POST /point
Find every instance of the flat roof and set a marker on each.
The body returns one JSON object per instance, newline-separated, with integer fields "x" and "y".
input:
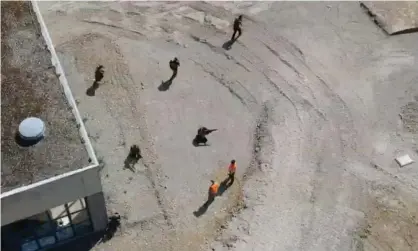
{"x": 29, "y": 88}
{"x": 395, "y": 17}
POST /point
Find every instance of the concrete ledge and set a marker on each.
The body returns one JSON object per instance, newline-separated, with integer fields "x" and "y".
{"x": 395, "y": 17}
{"x": 63, "y": 80}
{"x": 30, "y": 201}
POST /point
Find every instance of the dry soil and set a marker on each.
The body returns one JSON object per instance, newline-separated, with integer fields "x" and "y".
{"x": 309, "y": 101}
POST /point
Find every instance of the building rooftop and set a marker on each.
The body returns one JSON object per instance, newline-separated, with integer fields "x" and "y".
{"x": 30, "y": 88}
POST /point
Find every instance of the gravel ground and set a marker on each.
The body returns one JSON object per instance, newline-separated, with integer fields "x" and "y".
{"x": 31, "y": 88}
{"x": 309, "y": 109}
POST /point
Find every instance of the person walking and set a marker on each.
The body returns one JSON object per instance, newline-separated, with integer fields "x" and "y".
{"x": 213, "y": 191}
{"x": 174, "y": 65}
{"x": 237, "y": 27}
{"x": 231, "y": 171}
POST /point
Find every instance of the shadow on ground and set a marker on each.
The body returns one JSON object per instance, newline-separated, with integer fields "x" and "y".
{"x": 129, "y": 163}
{"x": 26, "y": 143}
{"x": 225, "y": 184}
{"x": 228, "y": 44}
{"x": 165, "y": 85}
{"x": 91, "y": 91}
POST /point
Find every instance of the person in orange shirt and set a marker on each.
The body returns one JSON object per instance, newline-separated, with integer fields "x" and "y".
{"x": 213, "y": 191}
{"x": 231, "y": 171}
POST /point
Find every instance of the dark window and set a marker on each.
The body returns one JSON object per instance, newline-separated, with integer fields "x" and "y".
{"x": 48, "y": 228}
{"x": 64, "y": 233}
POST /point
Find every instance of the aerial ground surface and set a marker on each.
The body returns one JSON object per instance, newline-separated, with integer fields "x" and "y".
{"x": 314, "y": 102}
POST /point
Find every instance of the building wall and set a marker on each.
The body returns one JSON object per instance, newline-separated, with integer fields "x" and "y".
{"x": 97, "y": 207}
{"x": 55, "y": 192}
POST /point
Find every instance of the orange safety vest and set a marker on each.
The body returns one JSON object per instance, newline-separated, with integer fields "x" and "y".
{"x": 214, "y": 188}
{"x": 232, "y": 168}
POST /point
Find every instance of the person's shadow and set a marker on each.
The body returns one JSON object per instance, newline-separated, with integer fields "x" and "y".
{"x": 203, "y": 208}
{"x": 225, "y": 184}
{"x": 165, "y": 85}
{"x": 91, "y": 91}
{"x": 228, "y": 44}
{"x": 112, "y": 227}
{"x": 130, "y": 162}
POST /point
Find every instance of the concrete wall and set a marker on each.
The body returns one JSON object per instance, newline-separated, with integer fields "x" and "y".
{"x": 43, "y": 196}
{"x": 97, "y": 208}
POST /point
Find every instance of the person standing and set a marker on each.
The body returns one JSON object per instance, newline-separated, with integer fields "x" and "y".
{"x": 237, "y": 27}
{"x": 231, "y": 171}
{"x": 135, "y": 153}
{"x": 174, "y": 65}
{"x": 99, "y": 74}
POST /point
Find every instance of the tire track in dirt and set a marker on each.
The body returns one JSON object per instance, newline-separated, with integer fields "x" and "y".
{"x": 327, "y": 176}
{"x": 113, "y": 26}
{"x": 304, "y": 70}
{"x": 219, "y": 50}
{"x": 262, "y": 139}
{"x": 262, "y": 153}
{"x": 297, "y": 54}
{"x": 339, "y": 119}
{"x": 249, "y": 101}
{"x": 321, "y": 172}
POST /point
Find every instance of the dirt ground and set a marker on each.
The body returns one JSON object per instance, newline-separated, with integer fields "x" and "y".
{"x": 314, "y": 101}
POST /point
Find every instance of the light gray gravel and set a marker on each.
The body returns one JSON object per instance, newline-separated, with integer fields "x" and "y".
{"x": 307, "y": 101}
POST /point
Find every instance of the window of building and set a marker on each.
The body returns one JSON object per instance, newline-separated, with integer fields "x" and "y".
{"x": 48, "y": 228}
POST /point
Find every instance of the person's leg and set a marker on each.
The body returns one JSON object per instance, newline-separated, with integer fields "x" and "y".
{"x": 231, "y": 178}
{"x": 204, "y": 140}
{"x": 233, "y": 35}
{"x": 239, "y": 33}
{"x": 211, "y": 198}
{"x": 198, "y": 139}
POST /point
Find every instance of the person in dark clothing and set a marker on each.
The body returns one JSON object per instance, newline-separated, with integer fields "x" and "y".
{"x": 135, "y": 153}
{"x": 202, "y": 132}
{"x": 205, "y": 131}
{"x": 98, "y": 76}
{"x": 133, "y": 158}
{"x": 237, "y": 27}
{"x": 174, "y": 65}
{"x": 99, "y": 73}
